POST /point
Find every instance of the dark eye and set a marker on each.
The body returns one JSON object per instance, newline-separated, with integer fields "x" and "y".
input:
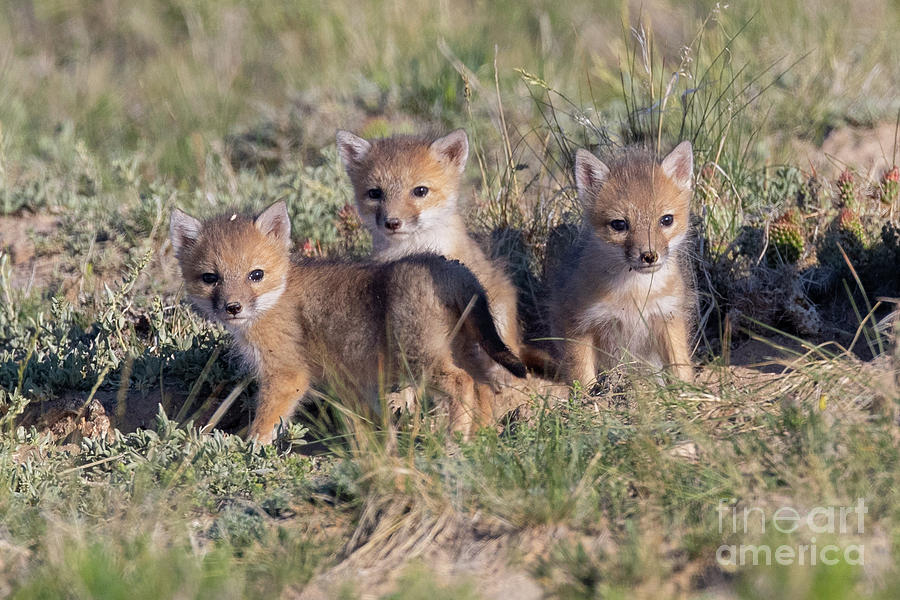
{"x": 256, "y": 275}
{"x": 209, "y": 278}
{"x": 420, "y": 191}
{"x": 667, "y": 220}
{"x": 375, "y": 194}
{"x": 619, "y": 225}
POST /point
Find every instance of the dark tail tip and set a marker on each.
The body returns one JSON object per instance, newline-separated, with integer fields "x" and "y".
{"x": 539, "y": 361}
{"x": 510, "y": 362}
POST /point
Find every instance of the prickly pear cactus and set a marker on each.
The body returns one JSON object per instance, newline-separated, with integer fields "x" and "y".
{"x": 846, "y": 189}
{"x": 786, "y": 238}
{"x": 850, "y": 226}
{"x": 846, "y": 231}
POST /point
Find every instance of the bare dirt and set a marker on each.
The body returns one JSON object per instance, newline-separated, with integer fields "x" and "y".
{"x": 867, "y": 150}
{"x": 18, "y": 234}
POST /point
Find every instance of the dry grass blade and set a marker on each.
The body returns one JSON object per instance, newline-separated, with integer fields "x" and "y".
{"x": 225, "y": 405}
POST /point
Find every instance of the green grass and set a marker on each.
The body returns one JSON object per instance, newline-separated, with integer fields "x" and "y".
{"x": 113, "y": 113}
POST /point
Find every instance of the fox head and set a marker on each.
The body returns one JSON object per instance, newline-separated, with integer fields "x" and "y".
{"x": 234, "y": 267}
{"x": 637, "y": 209}
{"x": 404, "y": 185}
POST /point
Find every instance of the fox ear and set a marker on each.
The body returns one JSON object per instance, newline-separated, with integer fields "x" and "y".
{"x": 352, "y": 148}
{"x": 453, "y": 148}
{"x": 183, "y": 231}
{"x": 590, "y": 173}
{"x": 679, "y": 165}
{"x": 274, "y": 222}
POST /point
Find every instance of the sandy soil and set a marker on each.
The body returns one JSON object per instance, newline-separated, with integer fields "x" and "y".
{"x": 868, "y": 151}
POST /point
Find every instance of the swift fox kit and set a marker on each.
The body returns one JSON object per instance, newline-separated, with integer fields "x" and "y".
{"x": 622, "y": 289}
{"x": 406, "y": 190}
{"x": 298, "y": 322}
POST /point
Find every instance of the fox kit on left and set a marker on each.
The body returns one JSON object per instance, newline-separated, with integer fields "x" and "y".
{"x": 622, "y": 293}
{"x": 406, "y": 190}
{"x": 357, "y": 326}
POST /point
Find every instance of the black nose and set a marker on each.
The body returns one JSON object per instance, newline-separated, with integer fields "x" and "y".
{"x": 393, "y": 224}
{"x": 649, "y": 257}
{"x": 233, "y": 307}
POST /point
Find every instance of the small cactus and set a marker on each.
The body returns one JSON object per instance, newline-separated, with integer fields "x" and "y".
{"x": 351, "y": 231}
{"x": 348, "y": 223}
{"x": 845, "y": 186}
{"x": 309, "y": 248}
{"x": 890, "y": 185}
{"x": 786, "y": 238}
{"x": 846, "y": 231}
{"x": 848, "y": 224}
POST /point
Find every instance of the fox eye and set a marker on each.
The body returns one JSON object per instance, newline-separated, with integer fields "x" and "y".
{"x": 667, "y": 220}
{"x": 256, "y": 275}
{"x": 209, "y": 278}
{"x": 375, "y": 194}
{"x": 619, "y": 224}
{"x": 420, "y": 191}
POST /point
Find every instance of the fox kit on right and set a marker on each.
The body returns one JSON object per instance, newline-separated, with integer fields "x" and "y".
{"x": 622, "y": 292}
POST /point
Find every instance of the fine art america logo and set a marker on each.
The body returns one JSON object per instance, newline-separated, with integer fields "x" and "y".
{"x": 827, "y": 521}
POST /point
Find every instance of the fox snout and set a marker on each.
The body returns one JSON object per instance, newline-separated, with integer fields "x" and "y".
{"x": 231, "y": 306}
{"x": 391, "y": 223}
{"x": 646, "y": 258}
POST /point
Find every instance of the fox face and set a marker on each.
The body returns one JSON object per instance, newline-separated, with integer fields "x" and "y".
{"x": 638, "y": 210}
{"x": 234, "y": 268}
{"x": 404, "y": 185}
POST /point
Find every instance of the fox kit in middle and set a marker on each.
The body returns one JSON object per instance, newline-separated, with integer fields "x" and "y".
{"x": 622, "y": 289}
{"x": 406, "y": 190}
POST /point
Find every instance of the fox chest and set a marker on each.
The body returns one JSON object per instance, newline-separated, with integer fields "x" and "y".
{"x": 629, "y": 308}
{"x": 396, "y": 247}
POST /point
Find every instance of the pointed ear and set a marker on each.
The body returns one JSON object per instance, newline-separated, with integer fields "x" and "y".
{"x": 352, "y": 148}
{"x": 183, "y": 231}
{"x": 590, "y": 172}
{"x": 453, "y": 148}
{"x": 274, "y": 222}
{"x": 679, "y": 165}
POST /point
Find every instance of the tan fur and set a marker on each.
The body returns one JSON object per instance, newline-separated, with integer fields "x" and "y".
{"x": 353, "y": 326}
{"x": 397, "y": 166}
{"x": 607, "y": 303}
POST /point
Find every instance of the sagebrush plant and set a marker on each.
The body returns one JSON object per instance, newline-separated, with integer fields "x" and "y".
{"x": 111, "y": 115}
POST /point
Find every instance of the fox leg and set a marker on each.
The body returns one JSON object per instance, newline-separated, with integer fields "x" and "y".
{"x": 580, "y": 360}
{"x": 278, "y": 396}
{"x": 459, "y": 389}
{"x": 671, "y": 337}
{"x": 486, "y": 409}
{"x": 404, "y": 400}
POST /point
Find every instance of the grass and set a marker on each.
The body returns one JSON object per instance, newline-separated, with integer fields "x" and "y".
{"x": 113, "y": 113}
